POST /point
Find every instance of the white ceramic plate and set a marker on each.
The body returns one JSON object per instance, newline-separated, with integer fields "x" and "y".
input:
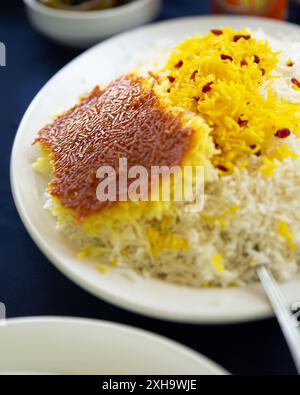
{"x": 78, "y": 346}
{"x": 151, "y": 297}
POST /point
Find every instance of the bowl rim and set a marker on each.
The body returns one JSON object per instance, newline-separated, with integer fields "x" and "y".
{"x": 133, "y": 6}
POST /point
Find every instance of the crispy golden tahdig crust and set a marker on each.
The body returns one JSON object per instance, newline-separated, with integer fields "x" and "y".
{"x": 123, "y": 121}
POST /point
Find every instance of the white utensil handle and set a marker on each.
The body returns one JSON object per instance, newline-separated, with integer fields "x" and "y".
{"x": 285, "y": 318}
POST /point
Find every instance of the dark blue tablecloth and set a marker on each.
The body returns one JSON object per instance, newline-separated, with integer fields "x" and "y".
{"x": 30, "y": 285}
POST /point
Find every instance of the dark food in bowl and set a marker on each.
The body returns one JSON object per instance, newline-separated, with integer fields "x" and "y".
{"x": 83, "y": 5}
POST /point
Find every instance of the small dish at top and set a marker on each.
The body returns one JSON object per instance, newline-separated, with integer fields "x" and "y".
{"x": 82, "y": 29}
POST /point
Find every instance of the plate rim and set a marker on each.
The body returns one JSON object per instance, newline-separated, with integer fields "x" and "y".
{"x": 149, "y": 336}
{"x": 110, "y": 297}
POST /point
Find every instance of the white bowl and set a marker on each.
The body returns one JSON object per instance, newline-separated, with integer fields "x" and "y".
{"x": 82, "y": 29}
